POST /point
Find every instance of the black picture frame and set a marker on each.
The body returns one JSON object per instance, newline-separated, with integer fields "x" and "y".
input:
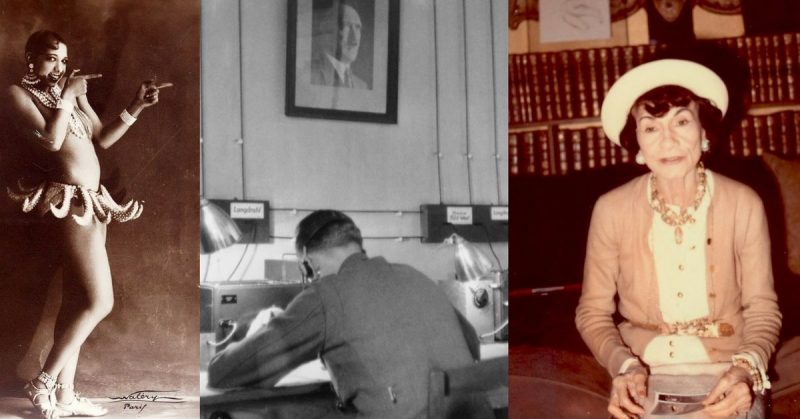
{"x": 314, "y": 89}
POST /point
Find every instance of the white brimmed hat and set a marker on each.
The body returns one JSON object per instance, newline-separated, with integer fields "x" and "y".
{"x": 627, "y": 89}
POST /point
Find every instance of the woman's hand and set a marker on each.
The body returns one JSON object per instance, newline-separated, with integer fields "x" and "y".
{"x": 77, "y": 85}
{"x": 628, "y": 391}
{"x": 147, "y": 95}
{"x": 732, "y": 395}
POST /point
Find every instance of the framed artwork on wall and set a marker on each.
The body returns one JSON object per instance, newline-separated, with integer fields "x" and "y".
{"x": 342, "y": 59}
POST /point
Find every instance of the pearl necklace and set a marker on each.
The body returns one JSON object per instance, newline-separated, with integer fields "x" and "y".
{"x": 52, "y": 99}
{"x": 669, "y": 216}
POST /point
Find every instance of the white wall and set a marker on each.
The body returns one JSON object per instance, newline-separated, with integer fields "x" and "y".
{"x": 371, "y": 170}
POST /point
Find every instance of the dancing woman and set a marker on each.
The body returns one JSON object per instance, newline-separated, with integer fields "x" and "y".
{"x": 60, "y": 180}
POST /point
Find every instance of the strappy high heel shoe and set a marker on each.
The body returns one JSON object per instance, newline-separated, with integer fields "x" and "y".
{"x": 79, "y": 406}
{"x": 41, "y": 392}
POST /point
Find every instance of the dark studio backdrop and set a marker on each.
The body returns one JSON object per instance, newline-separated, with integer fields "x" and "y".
{"x": 150, "y": 340}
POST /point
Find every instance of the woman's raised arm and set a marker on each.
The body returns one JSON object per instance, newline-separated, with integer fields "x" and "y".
{"x": 146, "y": 96}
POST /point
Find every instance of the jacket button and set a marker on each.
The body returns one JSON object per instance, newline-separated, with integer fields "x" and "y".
{"x": 680, "y": 295}
{"x": 672, "y": 354}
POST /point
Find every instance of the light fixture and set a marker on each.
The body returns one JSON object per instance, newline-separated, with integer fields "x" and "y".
{"x": 217, "y": 229}
{"x": 471, "y": 263}
{"x": 488, "y": 286}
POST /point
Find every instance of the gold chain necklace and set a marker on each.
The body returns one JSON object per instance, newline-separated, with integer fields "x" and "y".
{"x": 669, "y": 216}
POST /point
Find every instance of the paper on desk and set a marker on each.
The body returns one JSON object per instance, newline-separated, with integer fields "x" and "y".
{"x": 308, "y": 373}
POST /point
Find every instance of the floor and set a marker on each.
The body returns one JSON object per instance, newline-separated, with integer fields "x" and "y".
{"x": 20, "y": 408}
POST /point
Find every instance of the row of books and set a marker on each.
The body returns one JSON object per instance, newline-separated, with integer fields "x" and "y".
{"x": 558, "y": 151}
{"x": 555, "y": 151}
{"x": 572, "y": 84}
{"x": 773, "y": 64}
{"x": 775, "y": 133}
{"x": 567, "y": 84}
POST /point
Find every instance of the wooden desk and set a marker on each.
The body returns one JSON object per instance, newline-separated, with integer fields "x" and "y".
{"x": 304, "y": 392}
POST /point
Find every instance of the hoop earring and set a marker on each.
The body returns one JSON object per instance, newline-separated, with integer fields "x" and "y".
{"x": 705, "y": 145}
{"x": 30, "y": 79}
{"x": 639, "y": 158}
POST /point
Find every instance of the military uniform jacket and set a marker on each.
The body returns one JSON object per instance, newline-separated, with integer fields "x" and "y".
{"x": 379, "y": 328}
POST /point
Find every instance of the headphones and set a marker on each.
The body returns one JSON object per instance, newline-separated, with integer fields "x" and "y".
{"x": 307, "y": 271}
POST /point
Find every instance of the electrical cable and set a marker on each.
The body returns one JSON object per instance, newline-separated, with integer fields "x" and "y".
{"x": 466, "y": 101}
{"x": 489, "y": 241}
{"x": 241, "y": 100}
{"x": 494, "y": 105}
{"x": 403, "y": 237}
{"x": 246, "y": 246}
{"x": 249, "y": 262}
{"x": 499, "y": 328}
{"x": 208, "y": 265}
{"x": 354, "y": 211}
{"x": 436, "y": 100}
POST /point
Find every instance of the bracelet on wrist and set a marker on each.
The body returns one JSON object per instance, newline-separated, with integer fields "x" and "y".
{"x": 759, "y": 383}
{"x": 127, "y": 118}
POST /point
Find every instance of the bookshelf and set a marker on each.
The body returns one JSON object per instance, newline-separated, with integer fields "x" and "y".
{"x": 555, "y": 97}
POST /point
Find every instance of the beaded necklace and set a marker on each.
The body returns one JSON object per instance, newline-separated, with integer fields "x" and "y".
{"x": 52, "y": 99}
{"x": 669, "y": 216}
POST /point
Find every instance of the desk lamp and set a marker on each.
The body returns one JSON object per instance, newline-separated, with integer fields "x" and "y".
{"x": 488, "y": 286}
{"x": 217, "y": 229}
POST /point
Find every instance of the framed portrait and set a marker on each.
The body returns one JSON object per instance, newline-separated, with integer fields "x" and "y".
{"x": 341, "y": 59}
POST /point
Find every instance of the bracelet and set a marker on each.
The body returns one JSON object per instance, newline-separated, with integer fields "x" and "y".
{"x": 127, "y": 118}
{"x": 760, "y": 381}
{"x": 65, "y": 104}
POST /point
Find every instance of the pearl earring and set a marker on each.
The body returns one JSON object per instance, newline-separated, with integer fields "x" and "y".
{"x": 639, "y": 158}
{"x": 705, "y": 145}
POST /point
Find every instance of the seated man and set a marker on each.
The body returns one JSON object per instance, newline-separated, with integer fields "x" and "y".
{"x": 378, "y": 327}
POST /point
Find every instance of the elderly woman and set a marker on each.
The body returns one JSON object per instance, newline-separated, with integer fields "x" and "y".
{"x": 58, "y": 181}
{"x": 687, "y": 252}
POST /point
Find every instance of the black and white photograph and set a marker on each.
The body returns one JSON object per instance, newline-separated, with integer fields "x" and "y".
{"x": 99, "y": 209}
{"x": 352, "y": 268}
{"x": 342, "y": 59}
{"x": 342, "y": 44}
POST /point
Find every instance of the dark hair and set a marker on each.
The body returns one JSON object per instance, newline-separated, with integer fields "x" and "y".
{"x": 658, "y": 101}
{"x": 325, "y": 229}
{"x": 43, "y": 41}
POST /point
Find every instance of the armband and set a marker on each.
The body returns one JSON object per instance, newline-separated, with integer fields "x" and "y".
{"x": 127, "y": 118}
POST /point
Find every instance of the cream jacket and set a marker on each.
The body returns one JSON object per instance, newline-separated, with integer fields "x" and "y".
{"x": 619, "y": 261}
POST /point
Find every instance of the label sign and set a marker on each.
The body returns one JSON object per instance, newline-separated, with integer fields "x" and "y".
{"x": 247, "y": 210}
{"x": 499, "y": 213}
{"x": 459, "y": 215}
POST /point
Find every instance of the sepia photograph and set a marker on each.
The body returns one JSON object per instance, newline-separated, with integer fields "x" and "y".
{"x": 99, "y": 208}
